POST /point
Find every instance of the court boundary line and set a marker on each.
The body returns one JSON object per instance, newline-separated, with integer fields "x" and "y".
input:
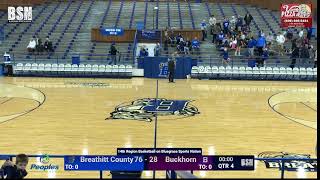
{"x": 309, "y": 106}
{"x": 22, "y": 111}
{"x": 6, "y": 100}
{"x": 29, "y": 111}
{"x": 291, "y": 116}
{"x": 272, "y": 107}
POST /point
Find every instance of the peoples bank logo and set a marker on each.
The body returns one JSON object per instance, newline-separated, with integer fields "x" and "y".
{"x": 19, "y": 14}
{"x": 44, "y": 164}
{"x": 45, "y": 159}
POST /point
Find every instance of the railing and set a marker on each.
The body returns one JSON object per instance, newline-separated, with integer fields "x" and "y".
{"x": 86, "y": 58}
{"x": 134, "y": 48}
{"x": 125, "y": 58}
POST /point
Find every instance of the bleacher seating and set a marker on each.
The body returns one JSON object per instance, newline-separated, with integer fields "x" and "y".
{"x": 72, "y": 70}
{"x": 69, "y": 23}
{"x": 255, "y": 73}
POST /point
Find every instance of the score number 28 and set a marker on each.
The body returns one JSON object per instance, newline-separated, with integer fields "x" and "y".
{"x": 153, "y": 159}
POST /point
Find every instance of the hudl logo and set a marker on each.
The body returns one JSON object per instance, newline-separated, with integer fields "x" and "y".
{"x": 19, "y": 14}
{"x": 146, "y": 109}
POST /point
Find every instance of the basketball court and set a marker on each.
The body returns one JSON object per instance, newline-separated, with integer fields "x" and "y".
{"x": 72, "y": 116}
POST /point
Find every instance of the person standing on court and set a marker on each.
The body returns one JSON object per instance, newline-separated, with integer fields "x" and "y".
{"x": 113, "y": 52}
{"x": 172, "y": 67}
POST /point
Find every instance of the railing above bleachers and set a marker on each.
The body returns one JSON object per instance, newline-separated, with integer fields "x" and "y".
{"x": 129, "y": 58}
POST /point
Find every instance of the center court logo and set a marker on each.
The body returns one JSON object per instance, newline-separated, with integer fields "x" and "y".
{"x": 146, "y": 109}
{"x": 45, "y": 164}
{"x": 19, "y": 14}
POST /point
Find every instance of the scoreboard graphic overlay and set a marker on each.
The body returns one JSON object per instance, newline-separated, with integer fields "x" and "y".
{"x": 159, "y": 159}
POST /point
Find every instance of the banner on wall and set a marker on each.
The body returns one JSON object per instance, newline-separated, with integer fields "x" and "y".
{"x": 112, "y": 31}
{"x": 296, "y": 15}
{"x": 149, "y": 35}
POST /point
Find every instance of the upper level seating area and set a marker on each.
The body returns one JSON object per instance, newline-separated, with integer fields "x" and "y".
{"x": 69, "y": 23}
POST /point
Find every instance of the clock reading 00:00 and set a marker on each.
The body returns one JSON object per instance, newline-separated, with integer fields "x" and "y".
{"x": 225, "y": 159}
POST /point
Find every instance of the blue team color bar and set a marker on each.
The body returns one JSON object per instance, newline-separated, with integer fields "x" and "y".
{"x": 102, "y": 163}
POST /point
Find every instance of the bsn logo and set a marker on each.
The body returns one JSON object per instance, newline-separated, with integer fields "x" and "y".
{"x": 19, "y": 14}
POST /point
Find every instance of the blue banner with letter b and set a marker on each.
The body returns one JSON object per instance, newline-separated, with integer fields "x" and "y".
{"x": 157, "y": 67}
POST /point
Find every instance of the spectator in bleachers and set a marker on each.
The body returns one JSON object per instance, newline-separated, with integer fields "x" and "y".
{"x": 142, "y": 52}
{"x": 260, "y": 33}
{"x": 251, "y": 45}
{"x": 39, "y": 46}
{"x": 178, "y": 38}
{"x": 280, "y": 43}
{"x": 166, "y": 43}
{"x": 248, "y": 18}
{"x": 265, "y": 56}
{"x": 203, "y": 27}
{"x": 301, "y": 33}
{"x": 240, "y": 43}
{"x": 225, "y": 56}
{"x": 304, "y": 55}
{"x": 48, "y": 45}
{"x": 309, "y": 33}
{"x": 270, "y": 39}
{"x": 113, "y": 53}
{"x": 212, "y": 21}
{"x": 187, "y": 46}
{"x": 17, "y": 170}
{"x": 181, "y": 45}
{"x": 243, "y": 38}
{"x": 261, "y": 43}
{"x": 233, "y": 43}
{"x": 157, "y": 49}
{"x": 239, "y": 23}
{"x": 245, "y": 29}
{"x": 196, "y": 45}
{"x": 215, "y": 29}
{"x": 305, "y": 41}
{"x": 226, "y": 24}
{"x": 166, "y": 33}
{"x": 294, "y": 53}
{"x": 289, "y": 33}
{"x": 233, "y": 22}
{"x": 32, "y": 45}
{"x": 220, "y": 39}
{"x": 172, "y": 39}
